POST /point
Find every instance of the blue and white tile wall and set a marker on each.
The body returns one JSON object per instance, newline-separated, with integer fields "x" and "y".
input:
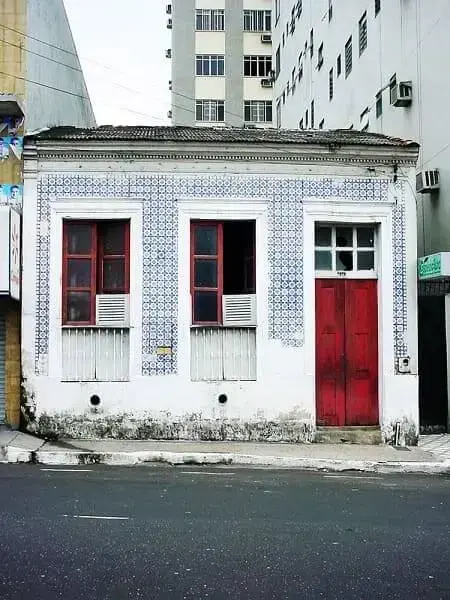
{"x": 160, "y": 228}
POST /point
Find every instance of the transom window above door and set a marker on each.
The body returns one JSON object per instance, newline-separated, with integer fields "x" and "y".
{"x": 344, "y": 248}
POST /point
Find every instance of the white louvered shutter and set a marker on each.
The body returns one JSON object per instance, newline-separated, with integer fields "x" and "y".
{"x": 239, "y": 310}
{"x": 113, "y": 310}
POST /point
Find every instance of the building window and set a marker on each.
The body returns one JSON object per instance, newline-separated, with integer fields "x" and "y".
{"x": 210, "y": 110}
{"x": 330, "y": 10}
{"x": 322, "y": 124}
{"x": 379, "y": 104}
{"x": 312, "y": 114}
{"x": 306, "y": 119}
{"x": 277, "y": 62}
{"x": 320, "y": 57}
{"x": 311, "y": 43}
{"x": 299, "y": 8}
{"x": 392, "y": 88}
{"x": 258, "y": 111}
{"x": 377, "y": 6}
{"x": 362, "y": 33}
{"x": 96, "y": 261}
{"x": 257, "y": 66}
{"x": 210, "y": 65}
{"x": 338, "y": 65}
{"x": 301, "y": 125}
{"x": 279, "y": 114}
{"x": 222, "y": 264}
{"x": 277, "y": 11}
{"x": 288, "y": 88}
{"x": 292, "y": 27}
{"x": 300, "y": 66}
{"x": 210, "y": 19}
{"x": 293, "y": 77}
{"x": 257, "y": 20}
{"x": 330, "y": 84}
{"x": 348, "y": 57}
{"x": 344, "y": 248}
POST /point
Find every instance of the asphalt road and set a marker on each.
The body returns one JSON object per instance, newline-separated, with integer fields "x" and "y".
{"x": 196, "y": 533}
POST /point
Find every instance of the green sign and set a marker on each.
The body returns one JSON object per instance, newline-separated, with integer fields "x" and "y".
{"x": 430, "y": 266}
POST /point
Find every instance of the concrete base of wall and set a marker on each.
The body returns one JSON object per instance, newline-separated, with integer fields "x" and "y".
{"x": 194, "y": 427}
{"x": 352, "y": 435}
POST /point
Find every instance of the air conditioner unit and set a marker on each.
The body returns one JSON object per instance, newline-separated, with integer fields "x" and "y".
{"x": 266, "y": 38}
{"x": 401, "y": 94}
{"x": 239, "y": 310}
{"x": 168, "y": 9}
{"x": 266, "y": 82}
{"x": 427, "y": 181}
{"x": 112, "y": 310}
{"x": 169, "y": 53}
{"x": 169, "y": 23}
{"x": 169, "y": 114}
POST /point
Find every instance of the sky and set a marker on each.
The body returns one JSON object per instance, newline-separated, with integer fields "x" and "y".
{"x": 121, "y": 45}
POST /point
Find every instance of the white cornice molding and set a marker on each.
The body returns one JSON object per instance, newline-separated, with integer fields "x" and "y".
{"x": 303, "y": 154}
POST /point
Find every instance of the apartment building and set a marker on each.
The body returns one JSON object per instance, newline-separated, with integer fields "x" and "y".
{"x": 221, "y": 62}
{"x": 377, "y": 66}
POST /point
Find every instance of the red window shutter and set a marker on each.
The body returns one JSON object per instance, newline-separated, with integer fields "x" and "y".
{"x": 206, "y": 272}
{"x": 79, "y": 273}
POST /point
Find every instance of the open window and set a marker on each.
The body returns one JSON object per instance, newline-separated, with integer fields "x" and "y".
{"x": 223, "y": 286}
{"x": 223, "y": 274}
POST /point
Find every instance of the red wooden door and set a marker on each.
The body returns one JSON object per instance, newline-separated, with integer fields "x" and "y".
{"x": 330, "y": 352}
{"x": 346, "y": 352}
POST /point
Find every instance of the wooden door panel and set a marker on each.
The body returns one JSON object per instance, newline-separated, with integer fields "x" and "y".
{"x": 330, "y": 348}
{"x": 361, "y": 352}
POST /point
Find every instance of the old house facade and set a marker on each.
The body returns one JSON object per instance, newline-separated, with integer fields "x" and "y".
{"x": 241, "y": 284}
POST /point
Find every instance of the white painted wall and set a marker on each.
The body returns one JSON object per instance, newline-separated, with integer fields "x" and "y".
{"x": 284, "y": 392}
{"x": 210, "y": 42}
{"x": 210, "y": 88}
{"x": 407, "y": 38}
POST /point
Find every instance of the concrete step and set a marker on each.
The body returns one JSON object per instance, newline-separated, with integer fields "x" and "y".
{"x": 348, "y": 435}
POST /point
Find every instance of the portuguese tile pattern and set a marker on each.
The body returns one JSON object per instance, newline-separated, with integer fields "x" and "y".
{"x": 160, "y": 237}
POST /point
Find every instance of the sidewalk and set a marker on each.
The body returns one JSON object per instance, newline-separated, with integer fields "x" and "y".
{"x": 16, "y": 447}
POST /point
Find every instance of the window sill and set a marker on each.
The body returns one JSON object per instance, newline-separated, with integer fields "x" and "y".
{"x": 84, "y": 326}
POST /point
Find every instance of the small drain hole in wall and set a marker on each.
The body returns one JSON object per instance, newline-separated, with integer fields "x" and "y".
{"x": 95, "y": 400}
{"x": 222, "y": 398}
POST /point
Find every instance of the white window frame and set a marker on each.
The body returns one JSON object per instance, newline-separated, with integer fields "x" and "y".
{"x": 210, "y": 111}
{"x": 362, "y": 31}
{"x": 341, "y": 210}
{"x": 256, "y": 21}
{"x": 210, "y": 59}
{"x": 94, "y": 209}
{"x": 258, "y": 111}
{"x": 334, "y": 273}
{"x": 220, "y": 209}
{"x": 262, "y": 62}
{"x": 212, "y": 19}
{"x": 348, "y": 55}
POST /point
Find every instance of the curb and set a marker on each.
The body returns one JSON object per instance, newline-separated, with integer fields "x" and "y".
{"x": 63, "y": 457}
{"x": 216, "y": 458}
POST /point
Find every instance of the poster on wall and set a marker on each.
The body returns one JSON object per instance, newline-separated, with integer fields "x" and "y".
{"x": 10, "y": 126}
{"x": 11, "y": 147}
{"x": 14, "y": 255}
{"x": 11, "y": 194}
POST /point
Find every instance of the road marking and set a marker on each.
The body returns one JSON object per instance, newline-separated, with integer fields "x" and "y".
{"x": 351, "y": 477}
{"x": 69, "y": 470}
{"x": 205, "y": 473}
{"x": 98, "y": 517}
